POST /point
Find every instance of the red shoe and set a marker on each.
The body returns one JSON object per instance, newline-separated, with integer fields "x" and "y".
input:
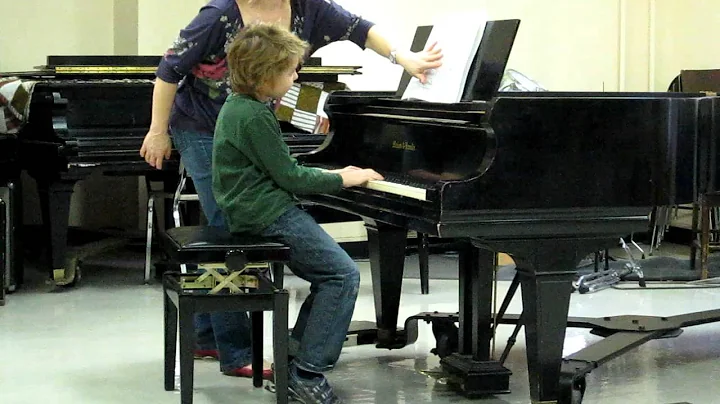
{"x": 206, "y": 354}
{"x": 247, "y": 371}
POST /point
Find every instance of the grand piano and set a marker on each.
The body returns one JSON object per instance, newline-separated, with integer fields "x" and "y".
{"x": 90, "y": 114}
{"x": 82, "y": 121}
{"x": 546, "y": 177}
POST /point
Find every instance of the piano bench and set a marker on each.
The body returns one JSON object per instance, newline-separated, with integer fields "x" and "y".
{"x": 244, "y": 284}
{"x": 708, "y": 231}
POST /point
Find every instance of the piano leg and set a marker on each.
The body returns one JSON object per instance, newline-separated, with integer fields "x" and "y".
{"x": 546, "y": 269}
{"x": 424, "y": 262}
{"x": 546, "y": 300}
{"x": 386, "y": 245}
{"x": 471, "y": 369}
{"x": 55, "y": 203}
{"x": 14, "y": 270}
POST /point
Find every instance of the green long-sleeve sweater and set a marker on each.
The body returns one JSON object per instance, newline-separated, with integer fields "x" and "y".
{"x": 254, "y": 177}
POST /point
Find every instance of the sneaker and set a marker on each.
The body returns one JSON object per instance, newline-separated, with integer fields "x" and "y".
{"x": 206, "y": 354}
{"x": 311, "y": 391}
{"x": 247, "y": 371}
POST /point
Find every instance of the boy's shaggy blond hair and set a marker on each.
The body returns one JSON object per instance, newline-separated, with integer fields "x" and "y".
{"x": 260, "y": 53}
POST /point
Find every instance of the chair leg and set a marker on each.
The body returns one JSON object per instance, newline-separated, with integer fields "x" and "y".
{"x": 187, "y": 344}
{"x": 256, "y": 325}
{"x": 177, "y": 220}
{"x": 704, "y": 238}
{"x": 170, "y": 337}
{"x": 423, "y": 258}
{"x": 280, "y": 345}
{"x": 694, "y": 232}
{"x": 149, "y": 229}
{"x": 607, "y": 259}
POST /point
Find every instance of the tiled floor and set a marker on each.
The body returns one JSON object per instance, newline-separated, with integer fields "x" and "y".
{"x": 102, "y": 343}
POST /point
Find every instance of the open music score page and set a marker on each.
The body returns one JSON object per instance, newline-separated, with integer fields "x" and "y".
{"x": 459, "y": 38}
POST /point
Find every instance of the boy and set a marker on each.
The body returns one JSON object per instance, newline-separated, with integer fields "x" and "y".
{"x": 254, "y": 182}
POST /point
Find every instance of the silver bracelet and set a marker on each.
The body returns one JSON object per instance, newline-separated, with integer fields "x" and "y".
{"x": 393, "y": 56}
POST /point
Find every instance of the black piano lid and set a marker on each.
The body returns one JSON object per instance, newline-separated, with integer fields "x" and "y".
{"x": 486, "y": 71}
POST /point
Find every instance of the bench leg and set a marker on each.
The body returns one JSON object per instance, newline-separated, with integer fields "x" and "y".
{"x": 256, "y": 325}
{"x": 149, "y": 229}
{"x": 278, "y": 270}
{"x": 280, "y": 345}
{"x": 423, "y": 260}
{"x": 170, "y": 336}
{"x": 187, "y": 345}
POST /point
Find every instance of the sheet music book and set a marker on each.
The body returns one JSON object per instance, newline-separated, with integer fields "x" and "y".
{"x": 459, "y": 37}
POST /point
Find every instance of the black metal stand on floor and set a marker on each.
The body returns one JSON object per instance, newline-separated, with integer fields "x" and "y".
{"x": 464, "y": 350}
{"x": 621, "y": 334}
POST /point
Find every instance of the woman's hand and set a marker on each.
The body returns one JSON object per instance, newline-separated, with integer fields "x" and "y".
{"x": 418, "y": 63}
{"x": 155, "y": 148}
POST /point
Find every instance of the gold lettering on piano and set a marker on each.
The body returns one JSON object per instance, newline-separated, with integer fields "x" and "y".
{"x": 403, "y": 146}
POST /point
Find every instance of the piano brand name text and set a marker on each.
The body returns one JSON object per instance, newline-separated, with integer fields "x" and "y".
{"x": 403, "y": 145}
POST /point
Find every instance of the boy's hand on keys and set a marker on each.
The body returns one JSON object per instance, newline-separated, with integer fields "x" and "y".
{"x": 355, "y": 177}
{"x": 342, "y": 170}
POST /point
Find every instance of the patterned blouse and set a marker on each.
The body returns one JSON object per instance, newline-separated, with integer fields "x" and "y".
{"x": 197, "y": 59}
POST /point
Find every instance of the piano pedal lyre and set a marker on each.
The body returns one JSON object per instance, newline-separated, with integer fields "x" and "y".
{"x": 602, "y": 280}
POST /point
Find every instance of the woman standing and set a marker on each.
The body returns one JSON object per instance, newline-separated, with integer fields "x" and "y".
{"x": 191, "y": 87}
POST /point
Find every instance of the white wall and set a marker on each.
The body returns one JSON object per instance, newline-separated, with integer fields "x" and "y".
{"x": 686, "y": 37}
{"x": 32, "y": 29}
{"x": 159, "y": 22}
{"x": 125, "y": 27}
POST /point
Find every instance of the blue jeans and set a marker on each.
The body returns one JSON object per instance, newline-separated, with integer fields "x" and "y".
{"x": 324, "y": 318}
{"x": 228, "y": 332}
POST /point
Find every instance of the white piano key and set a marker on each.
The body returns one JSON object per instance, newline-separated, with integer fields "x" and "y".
{"x": 397, "y": 189}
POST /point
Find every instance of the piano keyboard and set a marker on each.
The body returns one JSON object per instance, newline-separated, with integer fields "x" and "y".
{"x": 397, "y": 189}
{"x": 393, "y": 184}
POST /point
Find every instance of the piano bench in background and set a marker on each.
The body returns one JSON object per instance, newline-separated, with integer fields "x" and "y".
{"x": 709, "y": 230}
{"x": 243, "y": 285}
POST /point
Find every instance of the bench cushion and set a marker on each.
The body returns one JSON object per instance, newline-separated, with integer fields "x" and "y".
{"x": 205, "y": 244}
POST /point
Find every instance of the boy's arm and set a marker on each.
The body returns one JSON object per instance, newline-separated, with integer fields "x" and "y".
{"x": 273, "y": 156}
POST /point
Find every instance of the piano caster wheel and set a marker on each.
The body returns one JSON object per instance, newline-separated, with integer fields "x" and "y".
{"x": 572, "y": 390}
{"x": 446, "y": 337}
